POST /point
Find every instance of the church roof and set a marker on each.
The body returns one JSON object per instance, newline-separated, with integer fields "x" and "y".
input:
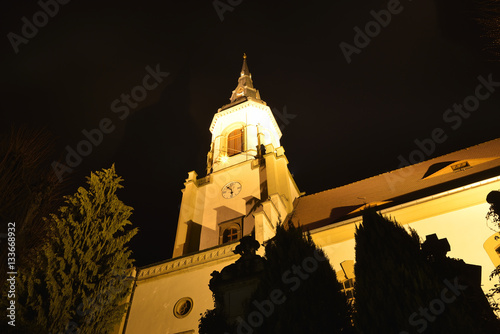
{"x": 403, "y": 185}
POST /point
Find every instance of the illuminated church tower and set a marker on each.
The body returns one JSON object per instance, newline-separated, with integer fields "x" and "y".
{"x": 248, "y": 186}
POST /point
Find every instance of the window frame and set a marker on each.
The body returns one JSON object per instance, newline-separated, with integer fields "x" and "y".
{"x": 348, "y": 288}
{"x": 233, "y": 147}
{"x": 236, "y": 223}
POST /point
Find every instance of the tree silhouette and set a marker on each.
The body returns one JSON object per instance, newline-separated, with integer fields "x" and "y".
{"x": 396, "y": 288}
{"x": 299, "y": 291}
{"x": 81, "y": 278}
{"x": 296, "y": 292}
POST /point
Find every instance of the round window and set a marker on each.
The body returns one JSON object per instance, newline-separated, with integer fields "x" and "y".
{"x": 183, "y": 307}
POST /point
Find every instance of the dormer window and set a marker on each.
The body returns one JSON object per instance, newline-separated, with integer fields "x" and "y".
{"x": 230, "y": 231}
{"x": 460, "y": 166}
{"x": 235, "y": 142}
{"x": 230, "y": 234}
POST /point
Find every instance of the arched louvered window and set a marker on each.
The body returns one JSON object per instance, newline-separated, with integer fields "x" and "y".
{"x": 235, "y": 142}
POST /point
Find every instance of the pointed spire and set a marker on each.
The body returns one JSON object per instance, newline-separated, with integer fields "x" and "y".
{"x": 244, "y": 68}
{"x": 245, "y": 88}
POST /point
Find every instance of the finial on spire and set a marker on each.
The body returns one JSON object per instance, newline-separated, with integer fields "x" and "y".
{"x": 245, "y": 87}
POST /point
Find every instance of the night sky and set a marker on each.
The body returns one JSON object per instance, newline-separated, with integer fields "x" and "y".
{"x": 346, "y": 121}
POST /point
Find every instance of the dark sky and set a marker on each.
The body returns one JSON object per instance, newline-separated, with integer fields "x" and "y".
{"x": 351, "y": 120}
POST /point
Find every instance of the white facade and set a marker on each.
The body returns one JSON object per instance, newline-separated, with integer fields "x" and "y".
{"x": 458, "y": 215}
{"x": 159, "y": 288}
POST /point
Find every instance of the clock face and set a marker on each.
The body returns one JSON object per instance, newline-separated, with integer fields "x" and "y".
{"x": 231, "y": 189}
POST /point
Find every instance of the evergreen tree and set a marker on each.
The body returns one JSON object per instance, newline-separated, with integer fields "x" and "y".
{"x": 299, "y": 291}
{"x": 396, "y": 290}
{"x": 82, "y": 275}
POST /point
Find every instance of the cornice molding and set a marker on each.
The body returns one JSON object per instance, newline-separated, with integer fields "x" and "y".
{"x": 184, "y": 262}
{"x": 244, "y": 105}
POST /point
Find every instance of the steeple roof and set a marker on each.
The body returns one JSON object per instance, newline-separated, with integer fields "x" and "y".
{"x": 245, "y": 88}
{"x": 244, "y": 68}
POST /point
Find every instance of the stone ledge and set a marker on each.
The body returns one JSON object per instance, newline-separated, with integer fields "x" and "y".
{"x": 187, "y": 261}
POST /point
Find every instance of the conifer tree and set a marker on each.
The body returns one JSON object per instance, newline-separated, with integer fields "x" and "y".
{"x": 83, "y": 272}
{"x": 302, "y": 287}
{"x": 396, "y": 288}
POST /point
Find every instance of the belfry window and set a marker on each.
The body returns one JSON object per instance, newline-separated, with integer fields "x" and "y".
{"x": 235, "y": 142}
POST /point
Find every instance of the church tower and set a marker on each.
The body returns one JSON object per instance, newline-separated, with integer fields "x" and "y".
{"x": 248, "y": 187}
